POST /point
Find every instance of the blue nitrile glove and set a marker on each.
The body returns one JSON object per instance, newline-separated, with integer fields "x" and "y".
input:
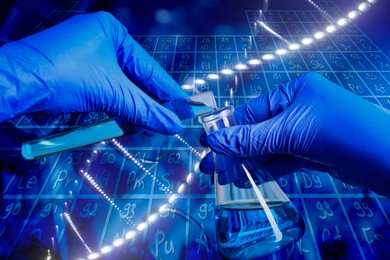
{"x": 87, "y": 63}
{"x": 312, "y": 123}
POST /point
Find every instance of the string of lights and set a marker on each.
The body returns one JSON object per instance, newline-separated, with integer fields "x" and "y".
{"x": 331, "y": 28}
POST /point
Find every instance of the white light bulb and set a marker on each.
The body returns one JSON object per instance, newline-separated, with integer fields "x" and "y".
{"x": 294, "y": 46}
{"x": 353, "y": 14}
{"x": 213, "y": 76}
{"x": 241, "y": 66}
{"x": 281, "y": 51}
{"x": 268, "y": 57}
{"x": 363, "y": 7}
{"x": 254, "y": 62}
{"x": 319, "y": 35}
{"x": 227, "y": 71}
{"x": 342, "y": 22}
{"x": 331, "y": 28}
{"x": 307, "y": 41}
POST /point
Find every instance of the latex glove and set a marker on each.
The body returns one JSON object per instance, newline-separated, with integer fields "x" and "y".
{"x": 87, "y": 63}
{"x": 312, "y": 123}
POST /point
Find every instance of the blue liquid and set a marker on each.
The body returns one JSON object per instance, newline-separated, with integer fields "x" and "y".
{"x": 243, "y": 231}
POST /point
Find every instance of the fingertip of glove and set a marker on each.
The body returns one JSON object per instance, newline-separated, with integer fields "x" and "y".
{"x": 206, "y": 165}
{"x": 212, "y": 141}
{"x": 203, "y": 139}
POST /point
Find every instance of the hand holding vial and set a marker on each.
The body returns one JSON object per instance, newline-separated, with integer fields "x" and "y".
{"x": 310, "y": 122}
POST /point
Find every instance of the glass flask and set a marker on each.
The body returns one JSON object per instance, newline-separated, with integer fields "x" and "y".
{"x": 254, "y": 217}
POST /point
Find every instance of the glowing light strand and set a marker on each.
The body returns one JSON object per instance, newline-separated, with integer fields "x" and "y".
{"x": 101, "y": 191}
{"x": 69, "y": 219}
{"x": 327, "y": 16}
{"x": 163, "y": 209}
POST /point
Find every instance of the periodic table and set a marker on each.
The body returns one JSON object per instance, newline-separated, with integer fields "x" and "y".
{"x": 45, "y": 201}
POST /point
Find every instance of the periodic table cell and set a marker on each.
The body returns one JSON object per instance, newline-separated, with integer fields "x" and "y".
{"x": 358, "y": 61}
{"x": 344, "y": 44}
{"x": 273, "y": 65}
{"x": 206, "y": 61}
{"x": 278, "y": 28}
{"x": 345, "y": 188}
{"x": 363, "y": 43}
{"x": 251, "y": 59}
{"x": 337, "y": 62}
{"x": 245, "y": 44}
{"x": 376, "y": 83}
{"x": 225, "y": 43}
{"x": 255, "y": 83}
{"x": 312, "y": 27}
{"x": 184, "y": 61}
{"x": 332, "y": 232}
{"x": 88, "y": 217}
{"x": 206, "y": 82}
{"x": 223, "y": 102}
{"x": 380, "y": 61}
{"x": 315, "y": 61}
{"x": 231, "y": 85}
{"x": 66, "y": 119}
{"x": 323, "y": 17}
{"x": 34, "y": 121}
{"x": 32, "y": 176}
{"x": 65, "y": 179}
{"x": 132, "y": 211}
{"x": 203, "y": 184}
{"x": 370, "y": 225}
{"x": 326, "y": 45}
{"x": 185, "y": 44}
{"x": 352, "y": 82}
{"x": 296, "y": 28}
{"x": 351, "y": 29}
{"x": 166, "y": 43}
{"x": 164, "y": 59}
{"x": 288, "y": 184}
{"x": 173, "y": 170}
{"x": 327, "y": 5}
{"x": 104, "y": 171}
{"x": 185, "y": 79}
{"x": 289, "y": 17}
{"x": 91, "y": 117}
{"x": 265, "y": 43}
{"x": 227, "y": 60}
{"x": 135, "y": 180}
{"x": 294, "y": 62}
{"x": 313, "y": 182}
{"x": 276, "y": 78}
{"x": 148, "y": 43}
{"x": 202, "y": 238}
{"x": 205, "y": 43}
{"x": 12, "y": 213}
{"x": 306, "y": 17}
{"x": 272, "y": 17}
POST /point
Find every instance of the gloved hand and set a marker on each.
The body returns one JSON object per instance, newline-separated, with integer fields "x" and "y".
{"x": 312, "y": 123}
{"x": 87, "y": 63}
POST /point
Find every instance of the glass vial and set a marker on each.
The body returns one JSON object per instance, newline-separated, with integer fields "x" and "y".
{"x": 252, "y": 219}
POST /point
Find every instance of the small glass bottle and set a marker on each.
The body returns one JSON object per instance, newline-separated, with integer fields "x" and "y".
{"x": 252, "y": 219}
